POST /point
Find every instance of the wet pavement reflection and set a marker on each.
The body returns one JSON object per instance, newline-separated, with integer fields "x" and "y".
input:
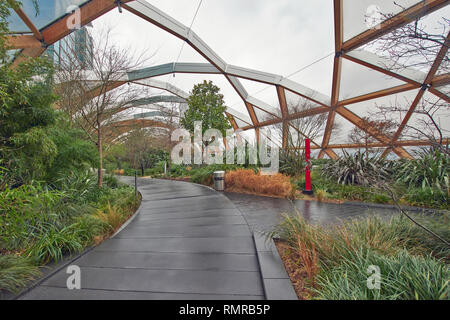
{"x": 263, "y": 213}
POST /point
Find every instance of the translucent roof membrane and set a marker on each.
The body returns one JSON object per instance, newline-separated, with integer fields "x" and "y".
{"x": 376, "y": 59}
{"x": 341, "y": 130}
{"x": 316, "y": 73}
{"x": 402, "y": 101}
{"x": 262, "y": 115}
{"x": 357, "y": 80}
{"x": 262, "y": 91}
{"x": 48, "y": 12}
{"x": 362, "y": 15}
{"x": 240, "y": 123}
{"x": 273, "y": 132}
{"x": 411, "y": 52}
{"x": 270, "y": 35}
{"x": 444, "y": 89}
{"x": 438, "y": 108}
{"x": 298, "y": 103}
{"x": 16, "y": 25}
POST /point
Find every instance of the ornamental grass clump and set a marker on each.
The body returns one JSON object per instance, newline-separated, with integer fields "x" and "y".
{"x": 335, "y": 261}
{"x": 246, "y": 180}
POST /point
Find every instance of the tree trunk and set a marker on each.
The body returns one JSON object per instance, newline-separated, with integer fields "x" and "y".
{"x": 100, "y": 154}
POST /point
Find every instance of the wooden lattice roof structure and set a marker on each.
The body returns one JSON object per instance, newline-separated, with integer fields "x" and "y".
{"x": 38, "y": 32}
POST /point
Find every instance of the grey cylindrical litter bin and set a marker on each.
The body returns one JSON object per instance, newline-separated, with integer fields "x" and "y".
{"x": 219, "y": 180}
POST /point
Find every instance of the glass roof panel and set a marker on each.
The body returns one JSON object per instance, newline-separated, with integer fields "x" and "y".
{"x": 11, "y": 54}
{"x": 48, "y": 12}
{"x": 362, "y": 15}
{"x": 357, "y": 80}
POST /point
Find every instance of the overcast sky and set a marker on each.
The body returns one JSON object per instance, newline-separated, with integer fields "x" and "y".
{"x": 276, "y": 36}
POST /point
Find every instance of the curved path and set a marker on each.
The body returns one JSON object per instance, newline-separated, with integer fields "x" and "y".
{"x": 187, "y": 242}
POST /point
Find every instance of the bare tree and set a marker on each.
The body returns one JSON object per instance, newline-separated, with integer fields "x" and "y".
{"x": 87, "y": 82}
{"x": 414, "y": 45}
{"x": 417, "y": 45}
{"x": 359, "y": 136}
{"x": 312, "y": 127}
{"x": 425, "y": 123}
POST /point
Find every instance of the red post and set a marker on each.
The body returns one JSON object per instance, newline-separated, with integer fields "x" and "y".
{"x": 307, "y": 167}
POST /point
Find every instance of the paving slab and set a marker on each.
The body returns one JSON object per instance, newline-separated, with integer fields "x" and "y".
{"x": 136, "y": 232}
{"x": 173, "y": 261}
{"x": 181, "y": 245}
{"x": 169, "y": 281}
{"x": 48, "y": 293}
{"x": 187, "y": 242}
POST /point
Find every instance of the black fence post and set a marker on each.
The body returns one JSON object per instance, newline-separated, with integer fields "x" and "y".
{"x": 135, "y": 184}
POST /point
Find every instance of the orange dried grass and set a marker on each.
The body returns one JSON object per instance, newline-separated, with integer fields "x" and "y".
{"x": 246, "y": 181}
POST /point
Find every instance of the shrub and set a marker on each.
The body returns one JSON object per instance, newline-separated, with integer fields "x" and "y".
{"x": 429, "y": 171}
{"x": 204, "y": 175}
{"x": 16, "y": 272}
{"x": 178, "y": 171}
{"x": 246, "y": 180}
{"x": 428, "y": 197}
{"x": 111, "y": 181}
{"x": 355, "y": 169}
{"x": 403, "y": 276}
{"x": 321, "y": 195}
{"x": 53, "y": 244}
{"x": 380, "y": 198}
{"x": 110, "y": 216}
{"x": 26, "y": 213}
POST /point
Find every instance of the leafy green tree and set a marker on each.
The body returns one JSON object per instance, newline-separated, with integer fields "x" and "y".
{"x": 206, "y": 104}
{"x": 74, "y": 151}
{"x": 35, "y": 141}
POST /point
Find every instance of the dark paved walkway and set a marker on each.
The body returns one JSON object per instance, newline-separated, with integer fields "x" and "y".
{"x": 263, "y": 213}
{"x": 188, "y": 242}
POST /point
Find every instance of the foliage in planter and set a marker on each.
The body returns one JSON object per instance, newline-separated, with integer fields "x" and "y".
{"x": 16, "y": 272}
{"x": 46, "y": 223}
{"x": 178, "y": 171}
{"x": 356, "y": 169}
{"x": 429, "y": 171}
{"x": 335, "y": 260}
{"x": 292, "y": 162}
{"x": 428, "y": 197}
{"x": 404, "y": 277}
{"x": 204, "y": 175}
{"x": 338, "y": 191}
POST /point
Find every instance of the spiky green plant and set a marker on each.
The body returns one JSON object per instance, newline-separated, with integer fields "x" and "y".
{"x": 430, "y": 169}
{"x": 356, "y": 169}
